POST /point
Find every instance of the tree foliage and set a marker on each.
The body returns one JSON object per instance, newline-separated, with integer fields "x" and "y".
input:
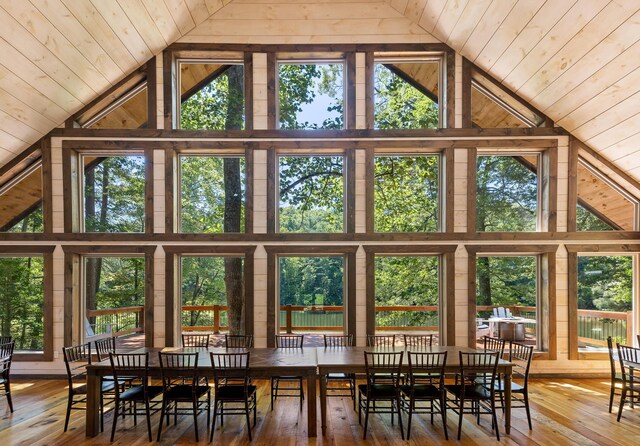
{"x": 312, "y": 280}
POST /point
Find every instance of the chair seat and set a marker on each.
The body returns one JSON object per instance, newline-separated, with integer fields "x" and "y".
{"x": 515, "y": 387}
{"x": 136, "y": 393}
{"x": 234, "y": 392}
{"x": 340, "y": 375}
{"x": 185, "y": 392}
{"x": 421, "y": 391}
{"x": 476, "y": 392}
{"x": 378, "y": 391}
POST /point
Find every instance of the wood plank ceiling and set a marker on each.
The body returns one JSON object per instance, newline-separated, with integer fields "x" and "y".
{"x": 578, "y": 61}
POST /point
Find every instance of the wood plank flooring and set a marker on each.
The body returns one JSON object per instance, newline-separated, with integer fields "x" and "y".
{"x": 564, "y": 411}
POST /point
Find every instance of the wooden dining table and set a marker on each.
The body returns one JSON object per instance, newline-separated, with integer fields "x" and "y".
{"x": 351, "y": 360}
{"x": 312, "y": 363}
{"x": 263, "y": 363}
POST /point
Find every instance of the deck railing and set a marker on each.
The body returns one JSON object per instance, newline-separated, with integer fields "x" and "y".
{"x": 123, "y": 321}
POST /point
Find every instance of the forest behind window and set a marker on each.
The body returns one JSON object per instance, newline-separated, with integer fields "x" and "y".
{"x": 22, "y": 301}
{"x": 114, "y": 194}
{"x": 506, "y": 195}
{"x": 406, "y": 193}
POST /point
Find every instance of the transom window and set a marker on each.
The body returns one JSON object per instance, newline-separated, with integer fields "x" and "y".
{"x": 407, "y": 92}
{"x": 311, "y": 94}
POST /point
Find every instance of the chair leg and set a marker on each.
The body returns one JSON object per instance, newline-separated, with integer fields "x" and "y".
{"x": 115, "y": 419}
{"x": 366, "y": 420}
{"x": 273, "y": 388}
{"x": 460, "y": 418}
{"x": 443, "y": 413}
{"x": 301, "y": 393}
{"x": 195, "y": 416}
{"x": 7, "y": 391}
{"x": 399, "y": 416}
{"x": 148, "y": 416}
{"x": 622, "y": 398}
{"x": 162, "y": 414}
{"x": 213, "y": 422}
{"x": 246, "y": 411}
{"x": 69, "y": 404}
{"x": 495, "y": 417}
{"x": 611, "y": 395}
{"x": 411, "y": 409}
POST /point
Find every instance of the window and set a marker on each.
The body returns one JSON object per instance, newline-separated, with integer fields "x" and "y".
{"x": 21, "y": 201}
{"x": 506, "y": 193}
{"x": 312, "y": 296}
{"x": 311, "y": 194}
{"x": 114, "y": 193}
{"x": 602, "y": 205}
{"x": 311, "y": 94}
{"x": 407, "y": 92}
{"x": 130, "y": 111}
{"x": 212, "y": 194}
{"x": 22, "y": 301}
{"x": 212, "y": 290}
{"x": 211, "y": 95}
{"x": 605, "y": 301}
{"x": 506, "y": 289}
{"x": 406, "y": 193}
{"x": 114, "y": 296}
{"x": 407, "y": 295}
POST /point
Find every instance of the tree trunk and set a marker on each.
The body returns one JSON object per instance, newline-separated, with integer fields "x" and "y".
{"x": 233, "y": 280}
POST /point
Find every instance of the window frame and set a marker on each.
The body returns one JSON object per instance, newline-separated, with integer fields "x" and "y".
{"x": 446, "y": 300}
{"x": 547, "y": 184}
{"x": 573, "y": 252}
{"x": 274, "y": 252}
{"x": 74, "y": 286}
{"x": 173, "y": 281}
{"x": 313, "y": 59}
{"x": 73, "y": 153}
{"x": 231, "y": 152}
{"x": 46, "y": 252}
{"x": 307, "y": 150}
{"x": 545, "y": 289}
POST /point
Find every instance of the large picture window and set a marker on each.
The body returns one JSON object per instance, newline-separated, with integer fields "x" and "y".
{"x": 212, "y": 194}
{"x": 506, "y": 193}
{"x": 114, "y": 193}
{"x": 406, "y": 193}
{"x": 311, "y": 95}
{"x": 311, "y": 194}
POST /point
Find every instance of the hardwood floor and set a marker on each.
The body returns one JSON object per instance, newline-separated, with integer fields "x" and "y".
{"x": 564, "y": 411}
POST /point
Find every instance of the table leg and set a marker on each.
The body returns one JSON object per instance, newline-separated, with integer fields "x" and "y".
{"x": 312, "y": 403}
{"x": 507, "y": 402}
{"x": 323, "y": 404}
{"x": 93, "y": 405}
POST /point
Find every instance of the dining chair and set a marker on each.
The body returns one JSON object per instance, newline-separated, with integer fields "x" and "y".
{"x": 520, "y": 356}
{"x": 288, "y": 342}
{"x": 629, "y": 358}
{"x": 480, "y": 396}
{"x": 76, "y": 360}
{"x": 238, "y": 341}
{"x": 6, "y": 356}
{"x": 491, "y": 344}
{"x": 181, "y": 385}
{"x": 232, "y": 387}
{"x": 421, "y": 340}
{"x": 383, "y": 385}
{"x": 387, "y": 341}
{"x": 616, "y": 377}
{"x": 339, "y": 341}
{"x": 134, "y": 366}
{"x": 6, "y": 339}
{"x": 425, "y": 387}
{"x": 195, "y": 340}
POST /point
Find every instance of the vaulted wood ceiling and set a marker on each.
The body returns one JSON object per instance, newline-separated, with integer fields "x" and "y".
{"x": 578, "y": 61}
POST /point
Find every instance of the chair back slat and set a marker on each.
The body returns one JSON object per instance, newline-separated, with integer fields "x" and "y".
{"x": 76, "y": 360}
{"x": 133, "y": 366}
{"x": 383, "y": 364}
{"x": 338, "y": 340}
{"x": 629, "y": 364}
{"x": 195, "y": 340}
{"x": 230, "y": 366}
{"x": 6, "y": 355}
{"x": 289, "y": 341}
{"x": 387, "y": 341}
{"x": 426, "y": 366}
{"x": 494, "y": 345}
{"x": 238, "y": 341}
{"x": 178, "y": 368}
{"x": 104, "y": 347}
{"x": 520, "y": 355}
{"x": 422, "y": 341}
{"x": 476, "y": 363}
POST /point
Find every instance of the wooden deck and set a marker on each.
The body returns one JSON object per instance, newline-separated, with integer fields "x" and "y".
{"x": 565, "y": 412}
